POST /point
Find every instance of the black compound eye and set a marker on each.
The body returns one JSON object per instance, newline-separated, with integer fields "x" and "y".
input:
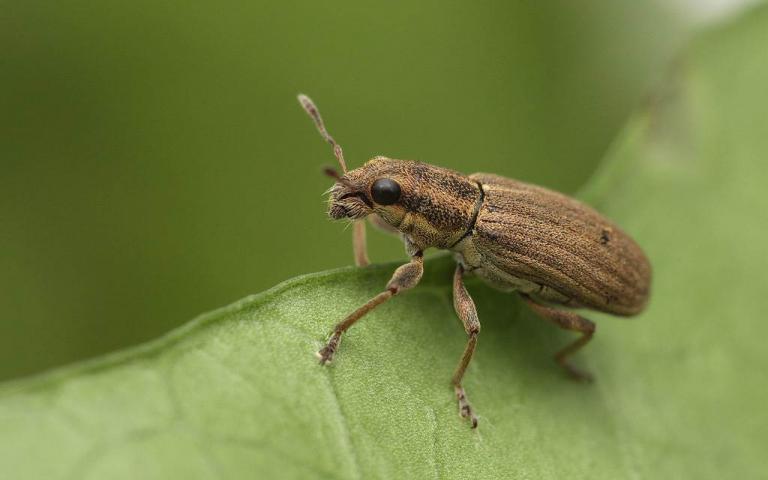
{"x": 385, "y": 191}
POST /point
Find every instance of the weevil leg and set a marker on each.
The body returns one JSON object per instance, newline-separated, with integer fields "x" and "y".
{"x": 359, "y": 244}
{"x": 465, "y": 309}
{"x": 568, "y": 321}
{"x": 405, "y": 277}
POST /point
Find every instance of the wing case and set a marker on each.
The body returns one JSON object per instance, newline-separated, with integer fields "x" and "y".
{"x": 571, "y": 253}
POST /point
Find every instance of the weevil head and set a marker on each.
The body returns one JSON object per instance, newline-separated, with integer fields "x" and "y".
{"x": 433, "y": 205}
{"x": 374, "y": 188}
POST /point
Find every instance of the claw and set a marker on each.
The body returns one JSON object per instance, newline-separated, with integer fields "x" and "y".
{"x": 326, "y": 353}
{"x": 465, "y": 409}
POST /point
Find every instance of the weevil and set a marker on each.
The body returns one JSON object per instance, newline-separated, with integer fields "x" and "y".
{"x": 555, "y": 252}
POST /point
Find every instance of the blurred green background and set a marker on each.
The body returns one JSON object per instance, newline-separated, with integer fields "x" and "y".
{"x": 155, "y": 163}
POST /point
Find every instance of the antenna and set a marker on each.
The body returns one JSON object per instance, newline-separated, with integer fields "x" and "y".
{"x": 309, "y": 106}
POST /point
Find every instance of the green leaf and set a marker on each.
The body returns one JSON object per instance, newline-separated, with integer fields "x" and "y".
{"x": 680, "y": 390}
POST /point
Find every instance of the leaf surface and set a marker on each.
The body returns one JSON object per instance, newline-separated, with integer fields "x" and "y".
{"x": 680, "y": 390}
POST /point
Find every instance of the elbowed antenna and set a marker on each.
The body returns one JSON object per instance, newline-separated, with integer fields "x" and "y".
{"x": 309, "y": 106}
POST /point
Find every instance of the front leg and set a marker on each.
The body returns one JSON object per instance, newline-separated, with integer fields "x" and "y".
{"x": 359, "y": 245}
{"x": 465, "y": 309}
{"x": 405, "y": 277}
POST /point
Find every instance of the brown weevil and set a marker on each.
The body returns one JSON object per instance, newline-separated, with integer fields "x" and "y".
{"x": 552, "y": 250}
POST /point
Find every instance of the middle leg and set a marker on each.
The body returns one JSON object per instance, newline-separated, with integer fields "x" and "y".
{"x": 465, "y": 309}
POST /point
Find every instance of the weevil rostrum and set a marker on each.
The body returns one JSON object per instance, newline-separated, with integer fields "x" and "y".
{"x": 554, "y": 251}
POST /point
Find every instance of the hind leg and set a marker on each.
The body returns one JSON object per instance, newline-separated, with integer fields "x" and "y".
{"x": 568, "y": 321}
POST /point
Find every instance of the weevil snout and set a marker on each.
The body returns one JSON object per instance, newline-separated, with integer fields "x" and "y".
{"x": 348, "y": 202}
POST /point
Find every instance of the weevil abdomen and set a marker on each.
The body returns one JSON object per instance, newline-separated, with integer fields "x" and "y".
{"x": 555, "y": 248}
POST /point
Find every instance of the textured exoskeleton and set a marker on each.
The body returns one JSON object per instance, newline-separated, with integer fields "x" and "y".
{"x": 553, "y": 250}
